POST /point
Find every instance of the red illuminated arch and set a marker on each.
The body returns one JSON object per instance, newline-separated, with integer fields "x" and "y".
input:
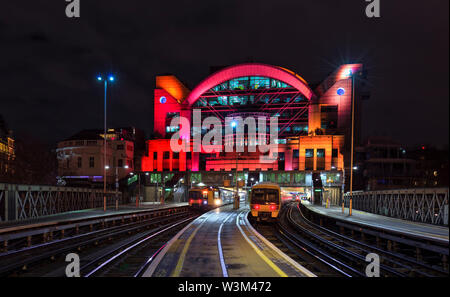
{"x": 249, "y": 69}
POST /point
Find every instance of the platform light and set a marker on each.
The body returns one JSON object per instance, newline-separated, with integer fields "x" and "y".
{"x": 126, "y": 167}
{"x": 99, "y": 78}
{"x": 233, "y": 124}
{"x": 106, "y": 167}
{"x": 355, "y": 167}
{"x": 111, "y": 78}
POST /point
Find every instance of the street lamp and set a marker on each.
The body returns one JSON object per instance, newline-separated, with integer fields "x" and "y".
{"x": 117, "y": 183}
{"x": 353, "y": 131}
{"x": 111, "y": 79}
{"x": 236, "y": 198}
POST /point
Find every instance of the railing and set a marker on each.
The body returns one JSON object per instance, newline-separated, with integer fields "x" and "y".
{"x": 21, "y": 202}
{"x": 425, "y": 205}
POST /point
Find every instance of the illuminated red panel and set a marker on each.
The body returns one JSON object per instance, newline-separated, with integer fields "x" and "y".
{"x": 250, "y": 69}
{"x": 173, "y": 86}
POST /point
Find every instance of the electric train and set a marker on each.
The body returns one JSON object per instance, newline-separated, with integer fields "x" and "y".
{"x": 265, "y": 201}
{"x": 203, "y": 197}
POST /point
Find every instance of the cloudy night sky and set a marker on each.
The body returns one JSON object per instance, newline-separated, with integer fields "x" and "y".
{"x": 49, "y": 62}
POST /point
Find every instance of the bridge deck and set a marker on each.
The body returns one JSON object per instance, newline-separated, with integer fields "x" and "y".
{"x": 421, "y": 230}
{"x": 84, "y": 214}
{"x": 222, "y": 243}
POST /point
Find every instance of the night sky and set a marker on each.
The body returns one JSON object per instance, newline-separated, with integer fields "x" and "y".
{"x": 49, "y": 62}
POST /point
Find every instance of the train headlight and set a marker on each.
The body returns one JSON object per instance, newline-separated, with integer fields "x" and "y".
{"x": 217, "y": 202}
{"x": 205, "y": 202}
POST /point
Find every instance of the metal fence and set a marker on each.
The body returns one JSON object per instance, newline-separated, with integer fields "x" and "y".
{"x": 21, "y": 202}
{"x": 420, "y": 205}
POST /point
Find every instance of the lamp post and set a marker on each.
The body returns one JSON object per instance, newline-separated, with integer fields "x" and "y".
{"x": 352, "y": 139}
{"x": 236, "y": 197}
{"x": 117, "y": 185}
{"x": 111, "y": 79}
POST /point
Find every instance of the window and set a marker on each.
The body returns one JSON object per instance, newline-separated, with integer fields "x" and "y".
{"x": 320, "y": 153}
{"x": 265, "y": 196}
{"x": 309, "y": 160}
{"x": 91, "y": 162}
{"x": 129, "y": 148}
{"x": 120, "y": 147}
{"x": 79, "y": 162}
{"x": 120, "y": 163}
{"x": 328, "y": 117}
{"x": 166, "y": 155}
{"x": 334, "y": 153}
{"x": 176, "y": 156}
{"x": 295, "y": 153}
{"x": 155, "y": 155}
{"x": 320, "y": 159}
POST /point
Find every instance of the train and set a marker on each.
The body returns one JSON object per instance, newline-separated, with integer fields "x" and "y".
{"x": 204, "y": 197}
{"x": 265, "y": 201}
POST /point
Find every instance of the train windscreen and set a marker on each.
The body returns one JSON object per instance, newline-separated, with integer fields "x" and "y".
{"x": 263, "y": 196}
{"x": 195, "y": 195}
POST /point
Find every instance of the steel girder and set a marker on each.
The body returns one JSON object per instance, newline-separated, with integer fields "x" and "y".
{"x": 419, "y": 205}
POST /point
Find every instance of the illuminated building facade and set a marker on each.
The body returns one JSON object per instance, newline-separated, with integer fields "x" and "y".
{"x": 314, "y": 122}
{"x": 7, "y": 151}
{"x": 80, "y": 157}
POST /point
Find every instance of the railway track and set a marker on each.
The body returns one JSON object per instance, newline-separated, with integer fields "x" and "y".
{"x": 48, "y": 259}
{"x": 133, "y": 257}
{"x": 343, "y": 255}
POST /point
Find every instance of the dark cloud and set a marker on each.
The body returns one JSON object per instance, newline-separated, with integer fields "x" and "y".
{"x": 49, "y": 62}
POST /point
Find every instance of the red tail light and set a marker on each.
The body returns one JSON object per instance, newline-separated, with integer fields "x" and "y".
{"x": 191, "y": 201}
{"x": 256, "y": 206}
{"x": 273, "y": 207}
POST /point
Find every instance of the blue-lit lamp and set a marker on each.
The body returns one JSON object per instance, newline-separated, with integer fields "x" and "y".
{"x": 340, "y": 91}
{"x": 233, "y": 124}
{"x": 110, "y": 78}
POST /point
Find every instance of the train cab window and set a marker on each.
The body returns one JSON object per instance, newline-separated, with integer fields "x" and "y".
{"x": 195, "y": 195}
{"x": 263, "y": 196}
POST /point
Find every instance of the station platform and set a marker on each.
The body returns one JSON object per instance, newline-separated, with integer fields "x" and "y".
{"x": 420, "y": 230}
{"x": 222, "y": 243}
{"x": 83, "y": 215}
